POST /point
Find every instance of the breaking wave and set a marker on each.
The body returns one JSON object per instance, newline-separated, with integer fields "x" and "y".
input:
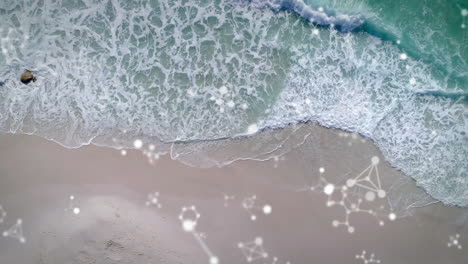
{"x": 183, "y": 71}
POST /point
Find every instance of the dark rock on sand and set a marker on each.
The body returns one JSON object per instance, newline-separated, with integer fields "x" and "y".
{"x": 27, "y": 77}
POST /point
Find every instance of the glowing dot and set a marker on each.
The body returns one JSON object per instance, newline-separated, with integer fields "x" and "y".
{"x": 219, "y": 101}
{"x": 267, "y": 209}
{"x": 403, "y": 56}
{"x": 214, "y": 260}
{"x": 412, "y": 81}
{"x": 463, "y": 26}
{"x": 320, "y": 9}
{"x": 398, "y": 42}
{"x": 253, "y": 217}
{"x": 351, "y": 229}
{"x": 321, "y": 170}
{"x": 191, "y": 93}
{"x": 307, "y": 101}
{"x": 329, "y": 188}
{"x": 76, "y": 210}
{"x": 335, "y": 223}
{"x": 315, "y": 31}
{"x": 152, "y": 147}
{"x": 123, "y": 152}
{"x": 72, "y": 197}
{"x": 375, "y": 160}
{"x": 223, "y": 90}
{"x": 464, "y": 12}
{"x": 231, "y": 104}
{"x": 392, "y": 216}
{"x": 258, "y": 241}
{"x": 138, "y": 144}
{"x": 370, "y": 196}
{"x": 244, "y": 106}
{"x": 381, "y": 193}
{"x": 351, "y": 182}
{"x": 252, "y": 129}
{"x": 189, "y": 225}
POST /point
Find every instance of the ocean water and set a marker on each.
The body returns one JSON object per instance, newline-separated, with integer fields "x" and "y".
{"x": 182, "y": 71}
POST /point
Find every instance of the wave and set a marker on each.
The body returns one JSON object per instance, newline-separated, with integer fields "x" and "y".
{"x": 198, "y": 71}
{"x": 449, "y": 95}
{"x": 342, "y": 22}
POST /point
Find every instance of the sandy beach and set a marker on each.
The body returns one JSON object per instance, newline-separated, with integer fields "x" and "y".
{"x": 278, "y": 207}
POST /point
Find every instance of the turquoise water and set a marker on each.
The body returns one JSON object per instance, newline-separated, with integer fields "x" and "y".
{"x": 191, "y": 70}
{"x": 428, "y": 30}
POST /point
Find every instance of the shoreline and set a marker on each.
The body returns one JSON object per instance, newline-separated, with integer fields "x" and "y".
{"x": 266, "y": 131}
{"x": 115, "y": 225}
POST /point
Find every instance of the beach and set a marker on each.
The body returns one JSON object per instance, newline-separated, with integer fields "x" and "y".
{"x": 116, "y": 221}
{"x": 233, "y": 131}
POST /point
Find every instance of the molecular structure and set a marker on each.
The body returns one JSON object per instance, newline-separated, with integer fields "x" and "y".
{"x": 365, "y": 260}
{"x": 223, "y": 99}
{"x": 16, "y": 232}
{"x": 454, "y": 241}
{"x": 249, "y": 205}
{"x": 253, "y": 250}
{"x": 149, "y": 152}
{"x": 71, "y": 206}
{"x": 2, "y": 215}
{"x": 153, "y": 200}
{"x": 464, "y": 13}
{"x": 368, "y": 180}
{"x": 189, "y": 217}
{"x": 228, "y": 198}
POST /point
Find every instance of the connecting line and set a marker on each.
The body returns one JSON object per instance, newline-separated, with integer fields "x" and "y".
{"x": 189, "y": 218}
{"x": 249, "y": 204}
{"x": 341, "y": 196}
{"x": 213, "y": 258}
{"x": 455, "y": 241}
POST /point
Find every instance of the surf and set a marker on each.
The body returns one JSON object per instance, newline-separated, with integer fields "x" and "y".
{"x": 171, "y": 72}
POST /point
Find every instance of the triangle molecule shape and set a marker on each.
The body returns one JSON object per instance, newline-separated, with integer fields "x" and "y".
{"x": 16, "y": 231}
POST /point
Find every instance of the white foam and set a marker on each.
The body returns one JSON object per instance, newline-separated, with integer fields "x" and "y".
{"x": 93, "y": 84}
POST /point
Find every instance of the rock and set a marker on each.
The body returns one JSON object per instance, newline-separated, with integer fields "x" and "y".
{"x": 27, "y": 77}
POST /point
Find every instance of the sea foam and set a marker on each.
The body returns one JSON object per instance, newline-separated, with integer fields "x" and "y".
{"x": 188, "y": 71}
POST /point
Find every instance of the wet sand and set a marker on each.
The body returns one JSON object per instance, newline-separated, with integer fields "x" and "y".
{"x": 114, "y": 225}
